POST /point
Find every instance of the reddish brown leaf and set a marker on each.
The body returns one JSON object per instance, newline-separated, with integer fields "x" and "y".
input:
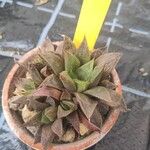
{"x": 63, "y": 113}
{"x": 47, "y": 136}
{"x": 51, "y": 101}
{"x": 68, "y": 45}
{"x": 54, "y": 60}
{"x": 97, "y": 52}
{"x": 67, "y": 81}
{"x": 35, "y": 75}
{"x": 104, "y": 109}
{"x": 99, "y": 92}
{"x": 48, "y": 91}
{"x": 108, "y": 61}
{"x": 107, "y": 96}
{"x": 108, "y": 84}
{"x": 67, "y": 105}
{"x": 96, "y": 118}
{"x": 118, "y": 100}
{"x": 36, "y": 105}
{"x": 16, "y": 101}
{"x": 57, "y": 127}
{"x": 47, "y": 46}
{"x": 65, "y": 95}
{"x": 88, "y": 124}
{"x": 59, "y": 48}
{"x": 52, "y": 81}
{"x": 87, "y": 104}
{"x": 73, "y": 119}
{"x": 45, "y": 71}
{"x": 37, "y": 136}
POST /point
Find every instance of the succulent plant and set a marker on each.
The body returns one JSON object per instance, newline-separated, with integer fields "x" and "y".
{"x": 67, "y": 92}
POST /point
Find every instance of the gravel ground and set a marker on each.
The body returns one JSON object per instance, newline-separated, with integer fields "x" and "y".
{"x": 22, "y": 24}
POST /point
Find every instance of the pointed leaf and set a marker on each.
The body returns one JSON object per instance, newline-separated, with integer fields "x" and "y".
{"x": 54, "y": 60}
{"x": 63, "y": 113}
{"x": 59, "y": 48}
{"x": 51, "y": 113}
{"x": 118, "y": 101}
{"x": 67, "y": 81}
{"x": 69, "y": 136}
{"x": 24, "y": 87}
{"x": 84, "y": 72}
{"x": 65, "y": 95}
{"x": 67, "y": 105}
{"x": 96, "y": 76}
{"x": 35, "y": 75}
{"x": 68, "y": 45}
{"x": 71, "y": 63}
{"x": 89, "y": 125}
{"x": 45, "y": 71}
{"x": 57, "y": 127}
{"x": 83, "y": 129}
{"x": 81, "y": 85}
{"x": 37, "y": 136}
{"x": 87, "y": 104}
{"x": 38, "y": 62}
{"x": 47, "y": 136}
{"x": 52, "y": 81}
{"x": 99, "y": 92}
{"x": 106, "y": 96}
{"x": 108, "y": 61}
{"x": 108, "y": 84}
{"x": 104, "y": 109}
{"x": 27, "y": 114}
{"x": 16, "y": 101}
{"x": 48, "y": 91}
{"x": 44, "y": 119}
{"x": 73, "y": 119}
{"x": 47, "y": 46}
{"x": 36, "y": 105}
{"x": 96, "y": 118}
{"x": 51, "y": 101}
{"x": 83, "y": 52}
{"x": 96, "y": 53}
{"x": 34, "y": 121}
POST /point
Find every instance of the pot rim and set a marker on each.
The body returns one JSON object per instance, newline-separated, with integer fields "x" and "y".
{"x": 22, "y": 134}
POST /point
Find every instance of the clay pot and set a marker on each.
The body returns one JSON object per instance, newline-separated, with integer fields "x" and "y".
{"x": 23, "y": 134}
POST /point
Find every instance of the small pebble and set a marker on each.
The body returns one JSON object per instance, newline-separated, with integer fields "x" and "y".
{"x": 1, "y": 36}
{"x": 41, "y": 2}
{"x": 145, "y": 74}
{"x": 142, "y": 70}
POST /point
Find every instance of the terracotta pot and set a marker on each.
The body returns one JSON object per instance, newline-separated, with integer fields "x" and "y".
{"x": 23, "y": 134}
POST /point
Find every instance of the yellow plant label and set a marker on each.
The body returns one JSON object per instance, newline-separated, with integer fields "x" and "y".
{"x": 91, "y": 19}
